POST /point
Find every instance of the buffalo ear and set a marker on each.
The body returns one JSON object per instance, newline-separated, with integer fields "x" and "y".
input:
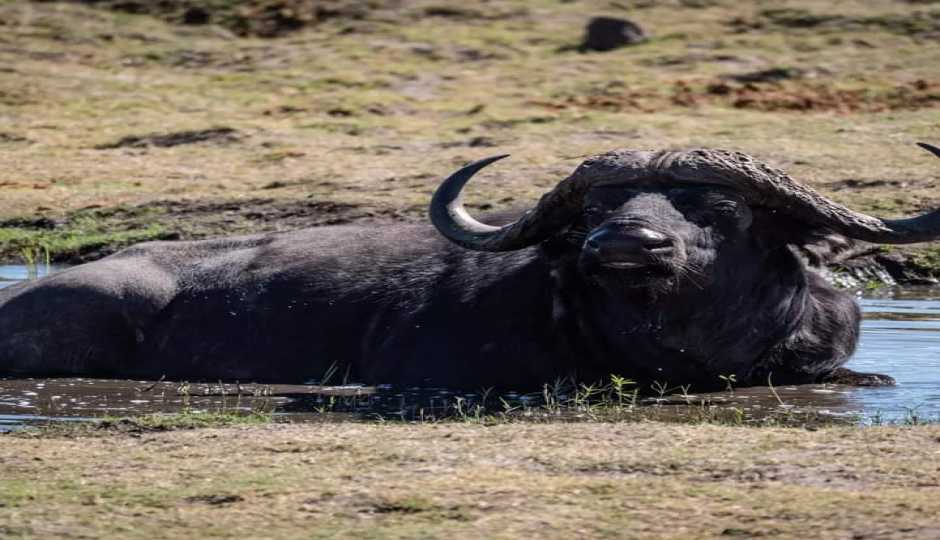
{"x": 817, "y": 246}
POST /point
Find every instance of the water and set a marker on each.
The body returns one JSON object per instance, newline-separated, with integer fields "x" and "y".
{"x": 900, "y": 337}
{"x": 14, "y": 274}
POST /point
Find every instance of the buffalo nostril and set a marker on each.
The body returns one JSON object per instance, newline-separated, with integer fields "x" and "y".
{"x": 592, "y": 245}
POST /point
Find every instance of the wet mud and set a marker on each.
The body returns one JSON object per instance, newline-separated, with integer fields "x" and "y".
{"x": 200, "y": 219}
{"x": 28, "y": 401}
{"x": 195, "y": 220}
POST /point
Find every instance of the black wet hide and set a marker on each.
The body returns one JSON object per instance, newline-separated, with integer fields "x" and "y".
{"x": 712, "y": 289}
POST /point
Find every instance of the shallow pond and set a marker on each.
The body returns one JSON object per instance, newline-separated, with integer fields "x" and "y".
{"x": 900, "y": 337}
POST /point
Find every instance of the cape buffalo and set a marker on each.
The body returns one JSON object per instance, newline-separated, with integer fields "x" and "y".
{"x": 659, "y": 266}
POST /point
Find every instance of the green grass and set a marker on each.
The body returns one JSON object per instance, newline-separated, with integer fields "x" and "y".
{"x": 110, "y": 425}
{"x": 78, "y": 240}
{"x": 928, "y": 261}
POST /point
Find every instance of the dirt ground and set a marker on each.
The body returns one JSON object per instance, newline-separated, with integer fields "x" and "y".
{"x": 646, "y": 480}
{"x": 129, "y": 121}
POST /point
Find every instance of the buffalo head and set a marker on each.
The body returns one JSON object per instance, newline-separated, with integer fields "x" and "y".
{"x": 643, "y": 217}
{"x": 633, "y": 237}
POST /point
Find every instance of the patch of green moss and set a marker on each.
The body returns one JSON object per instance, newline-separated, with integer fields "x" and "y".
{"x": 927, "y": 261}
{"x": 72, "y": 242}
{"x": 143, "y": 424}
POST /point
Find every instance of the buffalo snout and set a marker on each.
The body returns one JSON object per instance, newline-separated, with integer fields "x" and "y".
{"x": 627, "y": 246}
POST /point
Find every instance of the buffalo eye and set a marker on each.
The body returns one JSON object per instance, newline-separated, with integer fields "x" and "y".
{"x": 725, "y": 207}
{"x": 592, "y": 210}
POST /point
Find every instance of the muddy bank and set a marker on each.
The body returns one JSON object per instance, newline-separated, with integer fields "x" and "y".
{"x": 92, "y": 233}
{"x": 890, "y": 265}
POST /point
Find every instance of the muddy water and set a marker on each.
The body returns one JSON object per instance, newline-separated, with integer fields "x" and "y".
{"x": 900, "y": 337}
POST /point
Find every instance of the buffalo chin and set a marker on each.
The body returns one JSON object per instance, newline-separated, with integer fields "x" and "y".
{"x": 628, "y": 275}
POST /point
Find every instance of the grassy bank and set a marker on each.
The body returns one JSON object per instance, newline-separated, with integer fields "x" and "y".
{"x": 645, "y": 480}
{"x": 118, "y": 128}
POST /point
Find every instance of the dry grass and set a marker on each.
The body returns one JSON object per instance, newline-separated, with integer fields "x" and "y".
{"x": 373, "y": 112}
{"x": 472, "y": 481}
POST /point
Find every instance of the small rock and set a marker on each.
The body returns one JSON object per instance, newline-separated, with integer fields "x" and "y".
{"x": 196, "y": 16}
{"x": 608, "y": 33}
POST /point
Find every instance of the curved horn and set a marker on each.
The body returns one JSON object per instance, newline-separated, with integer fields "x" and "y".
{"x": 555, "y": 210}
{"x": 773, "y": 188}
{"x": 760, "y": 183}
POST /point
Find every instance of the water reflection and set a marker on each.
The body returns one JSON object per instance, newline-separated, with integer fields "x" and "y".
{"x": 25, "y": 401}
{"x": 10, "y": 274}
{"x": 900, "y": 337}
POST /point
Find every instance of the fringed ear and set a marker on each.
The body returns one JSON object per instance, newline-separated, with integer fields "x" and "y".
{"x": 817, "y": 246}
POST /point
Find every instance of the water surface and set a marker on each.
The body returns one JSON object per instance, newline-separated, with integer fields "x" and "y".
{"x": 900, "y": 337}
{"x": 10, "y": 274}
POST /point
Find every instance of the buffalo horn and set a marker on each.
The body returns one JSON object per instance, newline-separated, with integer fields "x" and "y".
{"x": 767, "y": 186}
{"x": 554, "y": 211}
{"x": 761, "y": 184}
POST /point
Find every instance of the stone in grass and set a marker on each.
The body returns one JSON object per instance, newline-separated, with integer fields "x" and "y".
{"x": 608, "y": 33}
